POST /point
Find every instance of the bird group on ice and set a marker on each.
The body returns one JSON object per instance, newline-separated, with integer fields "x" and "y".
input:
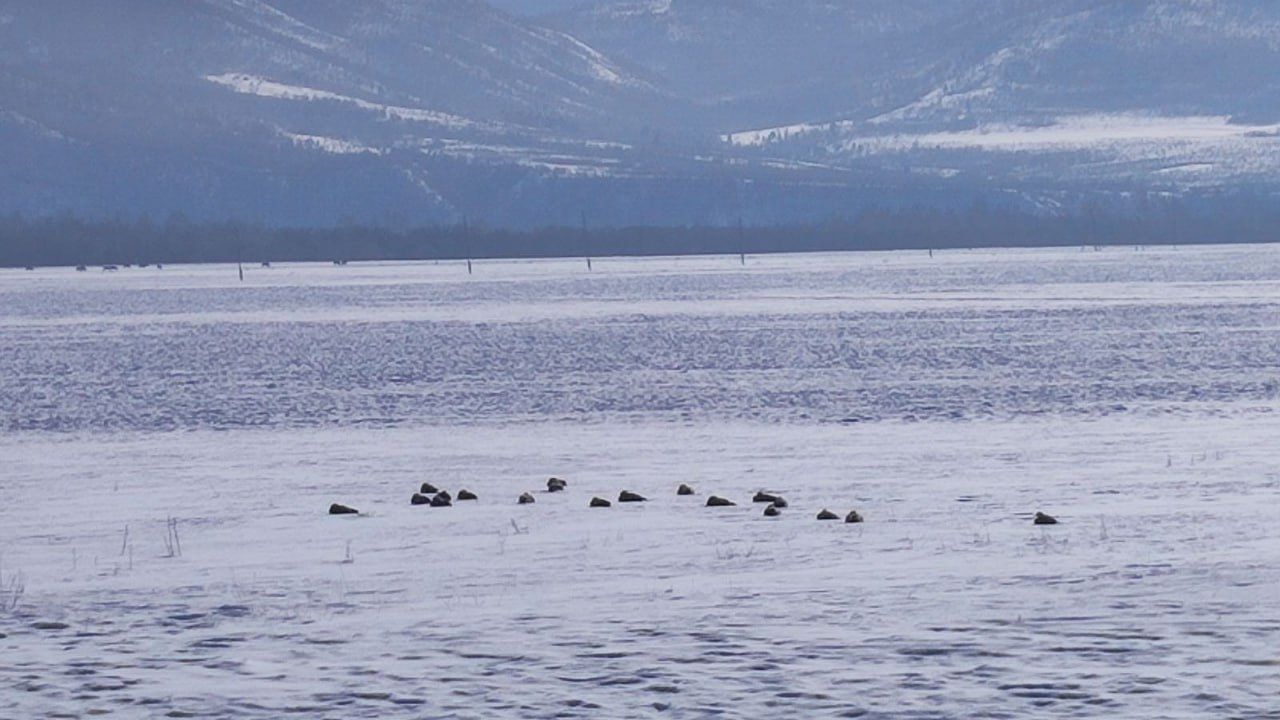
{"x": 432, "y": 496}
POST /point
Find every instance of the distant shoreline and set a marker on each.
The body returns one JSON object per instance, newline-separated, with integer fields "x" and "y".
{"x": 70, "y": 242}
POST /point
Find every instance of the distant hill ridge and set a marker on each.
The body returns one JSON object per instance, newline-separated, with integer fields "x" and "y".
{"x": 411, "y": 112}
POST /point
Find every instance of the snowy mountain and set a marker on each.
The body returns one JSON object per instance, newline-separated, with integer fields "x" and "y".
{"x": 404, "y": 112}
{"x": 1164, "y": 94}
{"x": 778, "y": 59}
{"x": 275, "y": 110}
{"x": 958, "y": 60}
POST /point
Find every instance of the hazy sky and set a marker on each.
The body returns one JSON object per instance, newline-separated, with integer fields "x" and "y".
{"x": 533, "y": 7}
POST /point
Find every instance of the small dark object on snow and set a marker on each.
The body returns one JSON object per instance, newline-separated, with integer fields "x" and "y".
{"x": 772, "y": 511}
{"x": 764, "y": 497}
{"x": 428, "y": 489}
{"x": 467, "y": 495}
{"x": 444, "y": 499}
{"x": 81, "y": 268}
{"x": 1042, "y": 519}
{"x": 853, "y": 517}
{"x": 336, "y": 509}
{"x": 717, "y": 501}
{"x": 600, "y": 502}
{"x": 684, "y": 490}
{"x": 556, "y": 485}
{"x": 827, "y": 515}
{"x": 525, "y": 499}
{"x": 419, "y": 499}
{"x": 780, "y": 502}
{"x": 628, "y": 496}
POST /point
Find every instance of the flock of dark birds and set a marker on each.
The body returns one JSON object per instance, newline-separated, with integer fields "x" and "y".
{"x": 432, "y": 496}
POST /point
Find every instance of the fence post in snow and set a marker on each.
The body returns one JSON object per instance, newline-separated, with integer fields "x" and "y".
{"x": 586, "y": 240}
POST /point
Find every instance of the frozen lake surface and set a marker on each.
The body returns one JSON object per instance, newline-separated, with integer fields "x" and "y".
{"x": 1134, "y": 395}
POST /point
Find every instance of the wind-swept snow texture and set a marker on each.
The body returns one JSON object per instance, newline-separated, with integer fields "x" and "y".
{"x": 1131, "y": 394}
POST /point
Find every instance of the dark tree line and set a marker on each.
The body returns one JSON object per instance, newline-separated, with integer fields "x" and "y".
{"x": 71, "y": 241}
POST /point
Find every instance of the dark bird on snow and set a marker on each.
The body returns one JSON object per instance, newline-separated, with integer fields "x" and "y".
{"x": 627, "y": 496}
{"x": 764, "y": 497}
{"x": 853, "y": 517}
{"x": 442, "y": 499}
{"x": 600, "y": 502}
{"x": 525, "y": 499}
{"x": 684, "y": 490}
{"x": 556, "y": 485}
{"x": 428, "y": 489}
{"x": 336, "y": 509}
{"x": 1042, "y": 519}
{"x": 772, "y": 511}
{"x": 467, "y": 495}
{"x": 717, "y": 501}
{"x": 827, "y": 515}
{"x": 419, "y": 499}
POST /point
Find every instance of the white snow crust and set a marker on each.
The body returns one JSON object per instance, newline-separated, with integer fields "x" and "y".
{"x": 1131, "y": 393}
{"x": 262, "y": 87}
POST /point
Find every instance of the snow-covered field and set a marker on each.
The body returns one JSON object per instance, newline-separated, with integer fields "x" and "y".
{"x": 1081, "y": 132}
{"x": 1132, "y": 394}
{"x": 1184, "y": 152}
